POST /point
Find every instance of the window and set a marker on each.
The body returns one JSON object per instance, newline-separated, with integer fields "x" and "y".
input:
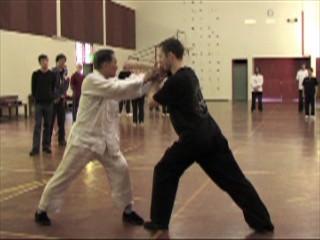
{"x": 84, "y": 53}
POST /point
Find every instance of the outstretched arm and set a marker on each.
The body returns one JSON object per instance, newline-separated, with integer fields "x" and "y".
{"x": 135, "y": 86}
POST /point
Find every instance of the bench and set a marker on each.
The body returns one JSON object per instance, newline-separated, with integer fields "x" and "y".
{"x": 12, "y": 101}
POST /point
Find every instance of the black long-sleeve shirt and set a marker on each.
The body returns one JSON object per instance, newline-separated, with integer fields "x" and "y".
{"x": 124, "y": 74}
{"x": 310, "y": 84}
{"x": 42, "y": 86}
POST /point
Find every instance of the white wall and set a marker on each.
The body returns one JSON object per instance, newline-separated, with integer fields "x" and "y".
{"x": 19, "y": 58}
{"x": 157, "y": 20}
{"x": 222, "y": 22}
{"x": 127, "y": 3}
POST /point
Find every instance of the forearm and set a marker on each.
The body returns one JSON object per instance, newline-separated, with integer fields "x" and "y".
{"x": 153, "y": 90}
{"x": 33, "y": 85}
{"x": 113, "y": 88}
{"x": 33, "y": 89}
{"x": 65, "y": 86}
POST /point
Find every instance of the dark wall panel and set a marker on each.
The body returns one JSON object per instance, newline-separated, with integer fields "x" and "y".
{"x": 120, "y": 26}
{"x": 82, "y": 20}
{"x": 280, "y": 76}
{"x": 29, "y": 16}
{"x": 318, "y": 75}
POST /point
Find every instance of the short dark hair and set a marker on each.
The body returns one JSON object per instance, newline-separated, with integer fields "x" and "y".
{"x": 61, "y": 56}
{"x": 173, "y": 45}
{"x": 257, "y": 67}
{"x": 102, "y": 56}
{"x": 41, "y": 57}
{"x": 311, "y": 69}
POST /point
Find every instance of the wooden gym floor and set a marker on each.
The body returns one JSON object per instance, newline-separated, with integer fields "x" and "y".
{"x": 277, "y": 150}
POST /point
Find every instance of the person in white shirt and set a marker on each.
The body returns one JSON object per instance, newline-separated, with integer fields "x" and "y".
{"x": 301, "y": 75}
{"x": 257, "y": 90}
{"x": 95, "y": 136}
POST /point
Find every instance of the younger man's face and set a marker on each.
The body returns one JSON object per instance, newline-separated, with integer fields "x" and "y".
{"x": 165, "y": 61}
{"x": 44, "y": 63}
{"x": 62, "y": 63}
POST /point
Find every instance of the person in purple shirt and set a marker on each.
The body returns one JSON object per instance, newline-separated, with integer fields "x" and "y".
{"x": 76, "y": 83}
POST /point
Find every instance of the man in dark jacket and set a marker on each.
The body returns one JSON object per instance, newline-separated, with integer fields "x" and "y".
{"x": 61, "y": 87}
{"x": 310, "y": 90}
{"x": 201, "y": 141}
{"x": 125, "y": 73}
{"x": 42, "y": 88}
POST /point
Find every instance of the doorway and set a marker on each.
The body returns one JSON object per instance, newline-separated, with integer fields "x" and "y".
{"x": 240, "y": 80}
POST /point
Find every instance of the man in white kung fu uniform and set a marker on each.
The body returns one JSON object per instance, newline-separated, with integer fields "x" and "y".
{"x": 95, "y": 136}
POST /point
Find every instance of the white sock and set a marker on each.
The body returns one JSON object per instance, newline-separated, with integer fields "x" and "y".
{"x": 40, "y": 211}
{"x": 128, "y": 209}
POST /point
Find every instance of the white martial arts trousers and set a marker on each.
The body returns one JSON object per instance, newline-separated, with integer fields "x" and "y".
{"x": 74, "y": 160}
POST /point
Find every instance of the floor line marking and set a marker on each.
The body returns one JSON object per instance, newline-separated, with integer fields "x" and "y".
{"x": 23, "y": 186}
{"x": 26, "y": 190}
{"x": 26, "y": 235}
{"x": 259, "y": 125}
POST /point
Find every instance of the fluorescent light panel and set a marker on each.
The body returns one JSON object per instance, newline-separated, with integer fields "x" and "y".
{"x": 270, "y": 21}
{"x": 250, "y": 21}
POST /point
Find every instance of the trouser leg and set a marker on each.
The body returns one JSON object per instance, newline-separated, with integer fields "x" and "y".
{"x": 141, "y": 109}
{"x": 300, "y": 101}
{"x": 61, "y": 116}
{"x": 74, "y": 160}
{"x": 222, "y": 168}
{"x": 47, "y": 117}
{"x": 307, "y": 104}
{"x": 127, "y": 106}
{"x": 118, "y": 174}
{"x": 166, "y": 177}
{"x": 37, "y": 127}
{"x": 253, "y": 104}
{"x": 53, "y": 118}
{"x": 260, "y": 101}
{"x": 135, "y": 110}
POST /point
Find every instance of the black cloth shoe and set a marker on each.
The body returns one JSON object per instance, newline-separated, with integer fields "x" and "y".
{"x": 42, "y": 219}
{"x": 265, "y": 229}
{"x": 132, "y": 218}
{"x": 62, "y": 143}
{"x": 153, "y": 227}
{"x": 47, "y": 150}
{"x": 34, "y": 152}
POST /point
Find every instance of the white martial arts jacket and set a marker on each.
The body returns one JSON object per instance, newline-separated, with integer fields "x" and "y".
{"x": 97, "y": 125}
{"x": 301, "y": 75}
{"x": 257, "y": 82}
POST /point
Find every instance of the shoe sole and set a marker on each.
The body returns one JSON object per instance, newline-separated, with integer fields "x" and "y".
{"x": 33, "y": 154}
{"x": 132, "y": 222}
{"x": 43, "y": 223}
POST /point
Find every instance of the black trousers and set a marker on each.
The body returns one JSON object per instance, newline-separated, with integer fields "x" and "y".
{"x": 300, "y": 100}
{"x": 59, "y": 111}
{"x": 219, "y": 164}
{"x": 256, "y": 95}
{"x": 310, "y": 100}
{"x": 43, "y": 110}
{"x": 138, "y": 110}
{"x": 75, "y": 106}
{"x": 127, "y": 103}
